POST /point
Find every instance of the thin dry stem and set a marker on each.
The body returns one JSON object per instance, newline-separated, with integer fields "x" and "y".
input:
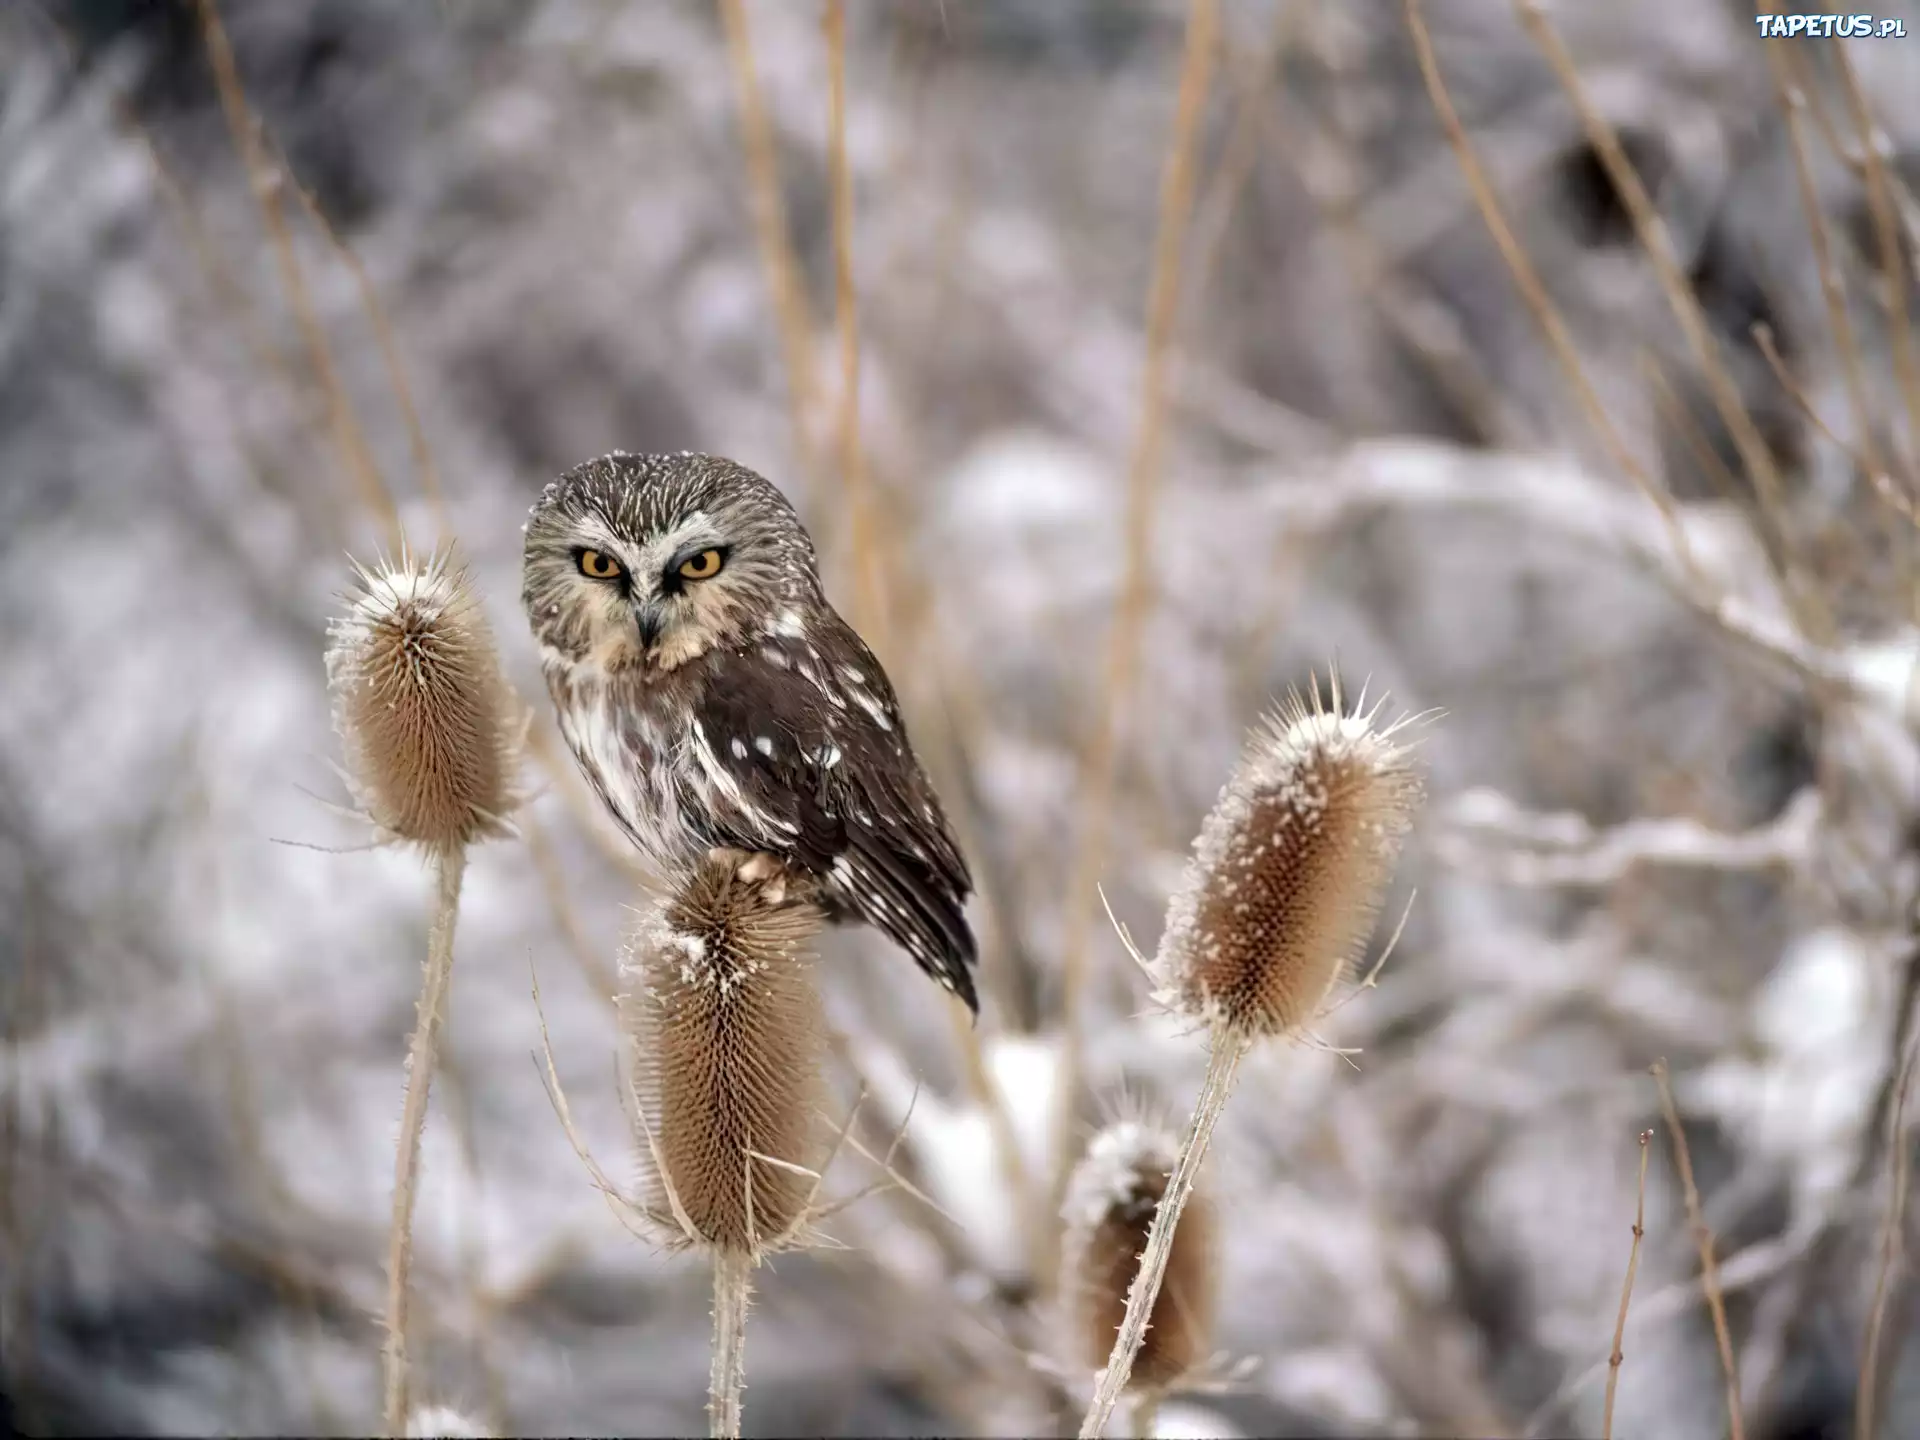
{"x": 1116, "y": 1189}
{"x": 383, "y": 337}
{"x": 770, "y": 226}
{"x": 1899, "y": 1162}
{"x": 1626, "y": 1288}
{"x": 603, "y": 979}
{"x": 727, "y": 1374}
{"x": 1703, "y": 1242}
{"x": 870, "y": 611}
{"x": 1895, "y": 264}
{"x": 1131, "y": 608}
{"x": 1229, "y": 1049}
{"x": 1792, "y": 103}
{"x": 1651, "y": 232}
{"x": 422, "y": 1054}
{"x": 1534, "y": 293}
{"x": 624, "y": 1209}
{"x": 265, "y": 183}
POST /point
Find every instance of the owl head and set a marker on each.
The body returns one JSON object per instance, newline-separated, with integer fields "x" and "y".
{"x": 644, "y": 562}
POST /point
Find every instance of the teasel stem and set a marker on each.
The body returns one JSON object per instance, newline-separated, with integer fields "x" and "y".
{"x": 423, "y": 1055}
{"x": 1229, "y": 1049}
{"x": 727, "y": 1043}
{"x": 727, "y": 1376}
{"x": 1279, "y": 896}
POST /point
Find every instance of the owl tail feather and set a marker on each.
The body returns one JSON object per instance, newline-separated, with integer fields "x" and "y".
{"x": 897, "y": 896}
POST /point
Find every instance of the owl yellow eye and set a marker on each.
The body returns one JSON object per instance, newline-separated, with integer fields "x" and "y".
{"x": 703, "y": 566}
{"x": 598, "y": 565}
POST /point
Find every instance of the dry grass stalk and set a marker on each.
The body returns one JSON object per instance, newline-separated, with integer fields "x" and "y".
{"x": 1279, "y": 897}
{"x": 1131, "y": 608}
{"x": 1896, "y": 265}
{"x": 1626, "y": 1289}
{"x": 1892, "y": 1251}
{"x": 383, "y": 336}
{"x": 1651, "y": 232}
{"x": 870, "y": 611}
{"x": 265, "y": 183}
{"x": 727, "y": 1040}
{"x": 431, "y": 743}
{"x": 770, "y": 227}
{"x": 1533, "y": 290}
{"x": 1112, "y": 1197}
{"x": 1792, "y": 102}
{"x": 1703, "y": 1243}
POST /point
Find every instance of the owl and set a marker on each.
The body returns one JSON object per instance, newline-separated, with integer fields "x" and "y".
{"x": 717, "y": 703}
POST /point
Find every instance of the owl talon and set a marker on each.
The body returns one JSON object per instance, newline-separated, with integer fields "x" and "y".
{"x": 766, "y": 871}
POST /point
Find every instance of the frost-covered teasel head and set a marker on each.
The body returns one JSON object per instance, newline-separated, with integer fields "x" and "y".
{"x": 428, "y": 723}
{"x": 727, "y": 1038}
{"x": 1110, "y": 1202}
{"x": 1289, "y": 868}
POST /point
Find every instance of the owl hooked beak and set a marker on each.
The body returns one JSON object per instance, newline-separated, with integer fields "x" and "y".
{"x": 651, "y": 620}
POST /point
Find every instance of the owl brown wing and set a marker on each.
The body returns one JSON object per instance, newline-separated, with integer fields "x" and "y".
{"x": 818, "y": 769}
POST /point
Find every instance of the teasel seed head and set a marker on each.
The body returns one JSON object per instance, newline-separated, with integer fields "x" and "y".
{"x": 727, "y": 1043}
{"x": 1289, "y": 869}
{"x": 431, "y": 730}
{"x": 1110, "y": 1202}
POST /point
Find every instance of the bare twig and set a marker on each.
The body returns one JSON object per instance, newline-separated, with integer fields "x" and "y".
{"x": 1228, "y": 1050}
{"x": 383, "y": 337}
{"x": 1792, "y": 104}
{"x": 1626, "y": 1288}
{"x": 1651, "y": 232}
{"x": 1532, "y": 290}
{"x": 1130, "y": 610}
{"x": 1565, "y": 849}
{"x": 1703, "y": 1242}
{"x": 870, "y": 610}
{"x": 1895, "y": 264}
{"x": 791, "y": 309}
{"x": 266, "y": 192}
{"x": 1892, "y": 1250}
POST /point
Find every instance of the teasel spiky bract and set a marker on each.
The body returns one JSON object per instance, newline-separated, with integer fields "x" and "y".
{"x": 431, "y": 735}
{"x": 1112, "y": 1196}
{"x": 1279, "y": 897}
{"x": 727, "y": 1041}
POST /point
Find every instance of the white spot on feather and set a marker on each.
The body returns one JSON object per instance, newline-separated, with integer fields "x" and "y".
{"x": 874, "y": 708}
